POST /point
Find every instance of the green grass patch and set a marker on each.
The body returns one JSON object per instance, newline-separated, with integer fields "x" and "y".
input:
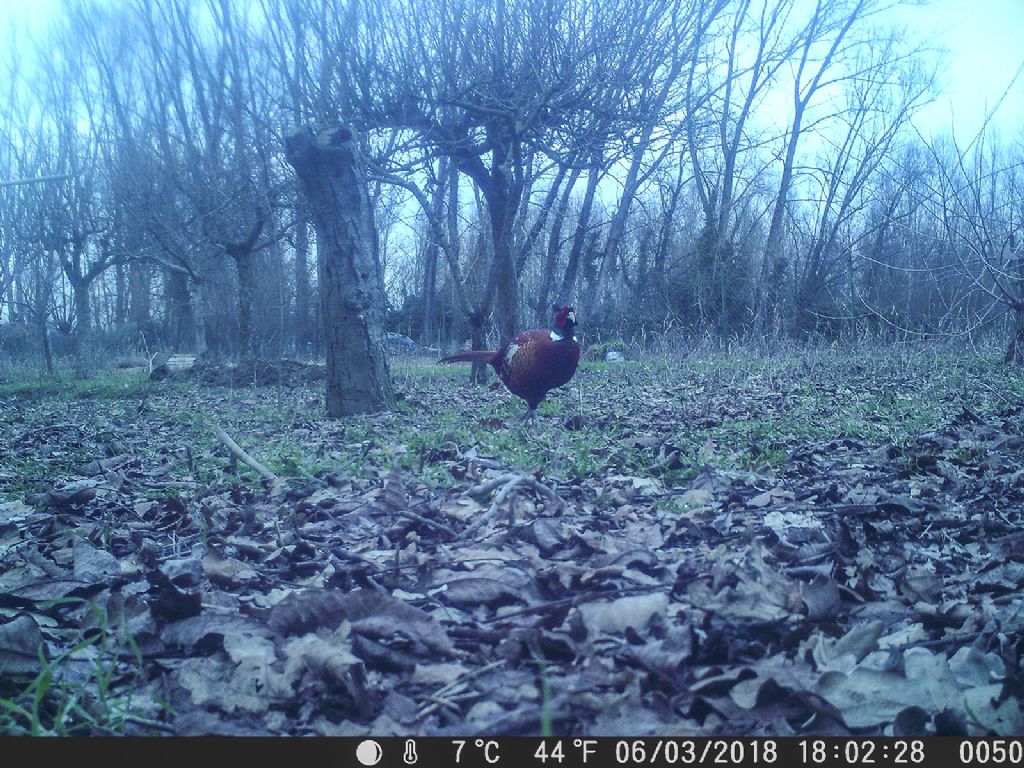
{"x": 88, "y": 689}
{"x": 752, "y": 411}
{"x": 111, "y": 385}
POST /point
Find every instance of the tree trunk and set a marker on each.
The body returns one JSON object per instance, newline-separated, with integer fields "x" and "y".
{"x": 7, "y": 273}
{"x": 181, "y": 325}
{"x": 773, "y": 270}
{"x": 21, "y": 297}
{"x": 44, "y": 341}
{"x": 506, "y": 304}
{"x": 1015, "y": 349}
{"x": 303, "y": 321}
{"x": 431, "y": 255}
{"x": 202, "y": 321}
{"x": 502, "y": 189}
{"x": 246, "y": 265}
{"x": 543, "y": 310}
{"x": 121, "y": 294}
{"x": 452, "y": 253}
{"x": 478, "y": 372}
{"x": 138, "y": 291}
{"x": 83, "y": 324}
{"x": 83, "y": 308}
{"x": 658, "y": 280}
{"x": 567, "y": 289}
{"x": 244, "y": 254}
{"x": 540, "y": 220}
{"x": 330, "y": 169}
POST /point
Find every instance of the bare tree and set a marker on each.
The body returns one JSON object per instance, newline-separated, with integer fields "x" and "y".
{"x": 214, "y": 194}
{"x": 757, "y": 43}
{"x": 351, "y": 284}
{"x": 827, "y": 42}
{"x": 34, "y": 266}
{"x": 879, "y": 103}
{"x": 686, "y": 28}
{"x": 486, "y": 85}
{"x": 979, "y": 208}
{"x": 75, "y": 222}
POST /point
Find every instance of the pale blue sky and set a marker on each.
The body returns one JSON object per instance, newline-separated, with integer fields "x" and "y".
{"x": 985, "y": 39}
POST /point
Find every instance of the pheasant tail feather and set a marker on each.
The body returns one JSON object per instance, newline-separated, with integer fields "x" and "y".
{"x": 472, "y": 356}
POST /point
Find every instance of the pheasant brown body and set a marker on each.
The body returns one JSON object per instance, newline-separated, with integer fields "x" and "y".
{"x": 535, "y": 361}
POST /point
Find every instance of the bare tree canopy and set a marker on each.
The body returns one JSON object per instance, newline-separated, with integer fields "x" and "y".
{"x": 733, "y": 168}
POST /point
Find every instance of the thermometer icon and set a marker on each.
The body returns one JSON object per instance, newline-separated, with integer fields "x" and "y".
{"x": 410, "y": 756}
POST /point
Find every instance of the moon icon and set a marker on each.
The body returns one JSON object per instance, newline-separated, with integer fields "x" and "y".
{"x": 369, "y": 752}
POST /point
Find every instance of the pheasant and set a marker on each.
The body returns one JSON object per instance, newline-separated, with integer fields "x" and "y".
{"x": 534, "y": 362}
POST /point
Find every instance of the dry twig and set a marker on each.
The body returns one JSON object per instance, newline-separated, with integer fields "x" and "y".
{"x": 242, "y": 456}
{"x": 511, "y": 482}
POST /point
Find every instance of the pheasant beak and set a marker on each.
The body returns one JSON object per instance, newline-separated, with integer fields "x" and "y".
{"x": 572, "y": 317}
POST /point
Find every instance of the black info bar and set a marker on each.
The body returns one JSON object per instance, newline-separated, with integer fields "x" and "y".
{"x": 519, "y": 752}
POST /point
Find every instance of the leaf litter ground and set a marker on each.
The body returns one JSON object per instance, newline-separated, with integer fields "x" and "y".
{"x": 828, "y": 543}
